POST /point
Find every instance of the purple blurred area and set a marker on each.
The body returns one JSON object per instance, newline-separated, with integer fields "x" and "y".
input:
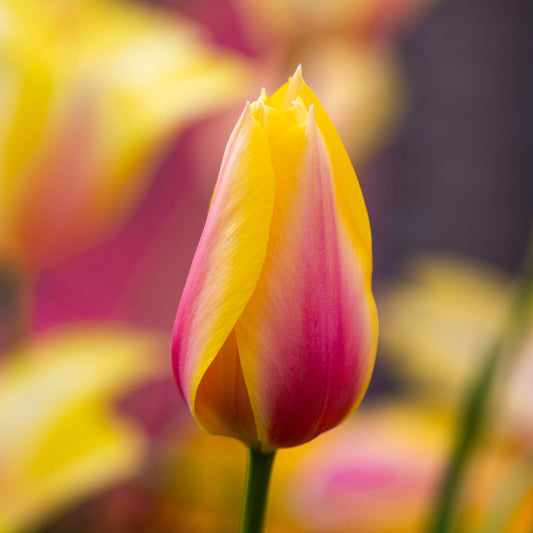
{"x": 459, "y": 176}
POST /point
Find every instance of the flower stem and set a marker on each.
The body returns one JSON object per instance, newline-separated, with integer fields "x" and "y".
{"x": 256, "y": 492}
{"x": 476, "y": 402}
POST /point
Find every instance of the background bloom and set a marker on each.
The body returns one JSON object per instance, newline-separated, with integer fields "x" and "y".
{"x": 91, "y": 92}
{"x": 437, "y": 322}
{"x": 62, "y": 437}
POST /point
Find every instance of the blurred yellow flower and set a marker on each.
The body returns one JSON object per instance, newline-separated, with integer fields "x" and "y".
{"x": 498, "y": 496}
{"x": 439, "y": 317}
{"x": 60, "y": 437}
{"x": 437, "y": 324}
{"x": 522, "y": 517}
{"x": 89, "y": 92}
{"x": 205, "y": 486}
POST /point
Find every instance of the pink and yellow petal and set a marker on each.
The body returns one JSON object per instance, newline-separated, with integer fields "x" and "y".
{"x": 350, "y": 201}
{"x": 229, "y": 257}
{"x": 303, "y": 338}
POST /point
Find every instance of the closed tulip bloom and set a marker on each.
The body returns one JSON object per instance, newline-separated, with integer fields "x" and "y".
{"x": 275, "y": 336}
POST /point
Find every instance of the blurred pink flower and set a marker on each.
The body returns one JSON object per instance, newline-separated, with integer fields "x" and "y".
{"x": 377, "y": 474}
{"x": 91, "y": 92}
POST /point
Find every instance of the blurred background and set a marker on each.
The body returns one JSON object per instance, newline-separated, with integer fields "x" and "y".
{"x": 113, "y": 120}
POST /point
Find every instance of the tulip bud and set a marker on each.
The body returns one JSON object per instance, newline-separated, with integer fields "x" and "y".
{"x": 275, "y": 337}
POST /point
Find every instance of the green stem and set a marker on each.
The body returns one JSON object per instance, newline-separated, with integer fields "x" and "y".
{"x": 476, "y": 402}
{"x": 256, "y": 492}
{"x": 469, "y": 428}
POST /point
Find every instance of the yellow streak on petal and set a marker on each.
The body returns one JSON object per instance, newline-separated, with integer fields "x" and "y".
{"x": 286, "y": 139}
{"x": 231, "y": 252}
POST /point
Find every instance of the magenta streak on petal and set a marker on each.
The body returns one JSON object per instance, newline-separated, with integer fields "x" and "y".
{"x": 316, "y": 364}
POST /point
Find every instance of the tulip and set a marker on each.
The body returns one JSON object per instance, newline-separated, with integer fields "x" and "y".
{"x": 275, "y": 337}
{"x": 91, "y": 93}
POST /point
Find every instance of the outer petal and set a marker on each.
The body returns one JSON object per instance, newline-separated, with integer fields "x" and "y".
{"x": 229, "y": 257}
{"x": 307, "y": 337}
{"x": 349, "y": 199}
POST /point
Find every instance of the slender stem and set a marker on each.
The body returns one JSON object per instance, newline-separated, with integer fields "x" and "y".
{"x": 469, "y": 427}
{"x": 476, "y": 402}
{"x": 256, "y": 492}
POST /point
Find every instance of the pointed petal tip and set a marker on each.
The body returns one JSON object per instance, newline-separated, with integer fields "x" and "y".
{"x": 310, "y": 119}
{"x": 296, "y": 80}
{"x": 294, "y": 87}
{"x": 260, "y": 102}
{"x": 298, "y": 72}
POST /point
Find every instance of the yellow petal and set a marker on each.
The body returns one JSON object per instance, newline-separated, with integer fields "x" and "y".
{"x": 439, "y": 318}
{"x": 229, "y": 257}
{"x": 60, "y": 438}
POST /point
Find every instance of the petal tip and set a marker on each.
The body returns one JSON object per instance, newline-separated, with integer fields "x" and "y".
{"x": 248, "y": 110}
{"x": 310, "y": 121}
{"x": 294, "y": 87}
{"x": 298, "y": 72}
